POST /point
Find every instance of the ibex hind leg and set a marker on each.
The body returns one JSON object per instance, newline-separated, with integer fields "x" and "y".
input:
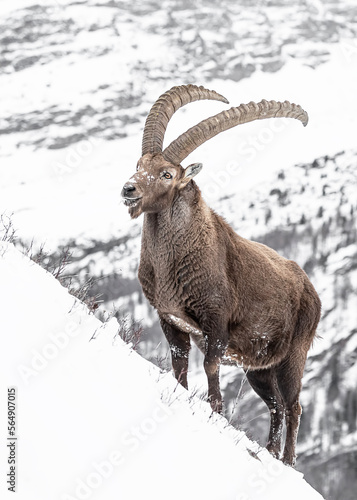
{"x": 265, "y": 385}
{"x": 289, "y": 375}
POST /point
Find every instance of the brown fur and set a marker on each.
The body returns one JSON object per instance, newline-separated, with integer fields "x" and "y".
{"x": 253, "y": 306}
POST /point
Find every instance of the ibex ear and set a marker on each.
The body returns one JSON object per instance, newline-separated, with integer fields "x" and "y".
{"x": 190, "y": 172}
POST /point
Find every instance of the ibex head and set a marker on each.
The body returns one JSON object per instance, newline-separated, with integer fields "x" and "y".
{"x": 159, "y": 175}
{"x": 155, "y": 184}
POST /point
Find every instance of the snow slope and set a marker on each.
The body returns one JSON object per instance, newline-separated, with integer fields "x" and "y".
{"x": 95, "y": 420}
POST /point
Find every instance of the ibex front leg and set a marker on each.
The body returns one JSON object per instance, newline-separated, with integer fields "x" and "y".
{"x": 180, "y": 345}
{"x": 216, "y": 343}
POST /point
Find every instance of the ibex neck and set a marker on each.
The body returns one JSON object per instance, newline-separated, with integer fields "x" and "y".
{"x": 185, "y": 207}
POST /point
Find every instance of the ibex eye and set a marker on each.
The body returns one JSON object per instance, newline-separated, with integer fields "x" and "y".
{"x": 167, "y": 175}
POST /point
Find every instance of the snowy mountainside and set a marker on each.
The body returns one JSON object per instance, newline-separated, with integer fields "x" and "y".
{"x": 94, "y": 419}
{"x": 93, "y": 68}
{"x": 80, "y": 77}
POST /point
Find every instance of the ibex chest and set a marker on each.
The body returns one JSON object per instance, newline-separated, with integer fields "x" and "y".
{"x": 177, "y": 246}
{"x": 173, "y": 271}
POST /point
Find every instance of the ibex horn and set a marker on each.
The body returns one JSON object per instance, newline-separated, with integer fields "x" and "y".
{"x": 181, "y": 147}
{"x": 163, "y": 109}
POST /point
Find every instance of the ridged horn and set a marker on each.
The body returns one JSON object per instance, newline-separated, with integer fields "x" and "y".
{"x": 163, "y": 109}
{"x": 181, "y": 147}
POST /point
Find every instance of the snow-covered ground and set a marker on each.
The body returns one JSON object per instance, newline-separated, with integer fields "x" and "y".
{"x": 95, "y": 420}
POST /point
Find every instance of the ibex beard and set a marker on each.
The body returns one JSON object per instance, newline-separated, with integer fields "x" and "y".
{"x": 238, "y": 300}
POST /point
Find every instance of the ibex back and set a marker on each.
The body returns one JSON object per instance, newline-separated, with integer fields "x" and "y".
{"x": 239, "y": 300}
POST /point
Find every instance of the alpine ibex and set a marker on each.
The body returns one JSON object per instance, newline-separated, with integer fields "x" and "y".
{"x": 239, "y": 300}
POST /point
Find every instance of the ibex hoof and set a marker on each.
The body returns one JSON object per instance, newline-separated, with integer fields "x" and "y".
{"x": 217, "y": 406}
{"x": 273, "y": 450}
